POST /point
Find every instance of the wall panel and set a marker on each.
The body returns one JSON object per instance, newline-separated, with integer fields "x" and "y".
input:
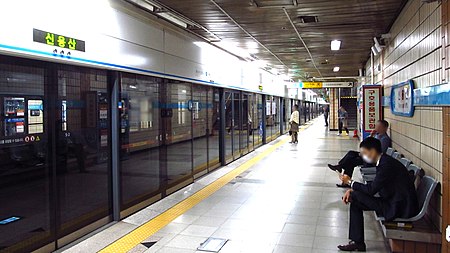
{"x": 414, "y": 52}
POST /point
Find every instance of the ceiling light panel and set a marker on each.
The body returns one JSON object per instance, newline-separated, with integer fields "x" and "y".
{"x": 336, "y": 45}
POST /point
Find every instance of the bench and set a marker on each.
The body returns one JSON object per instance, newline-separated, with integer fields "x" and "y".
{"x": 415, "y": 234}
{"x": 414, "y": 172}
{"x": 407, "y": 235}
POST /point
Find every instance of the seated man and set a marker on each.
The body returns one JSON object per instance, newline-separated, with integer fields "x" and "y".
{"x": 353, "y": 158}
{"x": 397, "y": 195}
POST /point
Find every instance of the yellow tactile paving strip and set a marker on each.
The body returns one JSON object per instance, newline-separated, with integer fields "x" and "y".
{"x": 130, "y": 240}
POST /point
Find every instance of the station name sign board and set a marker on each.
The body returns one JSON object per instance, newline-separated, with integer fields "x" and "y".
{"x": 323, "y": 85}
{"x": 53, "y": 39}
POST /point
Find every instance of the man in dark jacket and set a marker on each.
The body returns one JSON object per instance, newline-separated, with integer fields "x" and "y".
{"x": 353, "y": 158}
{"x": 397, "y": 195}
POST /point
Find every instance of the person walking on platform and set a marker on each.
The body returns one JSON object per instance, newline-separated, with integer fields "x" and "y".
{"x": 397, "y": 194}
{"x": 326, "y": 112}
{"x": 294, "y": 121}
{"x": 353, "y": 158}
{"x": 343, "y": 120}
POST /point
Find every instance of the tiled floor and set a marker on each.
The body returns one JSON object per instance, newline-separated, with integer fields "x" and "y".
{"x": 288, "y": 202}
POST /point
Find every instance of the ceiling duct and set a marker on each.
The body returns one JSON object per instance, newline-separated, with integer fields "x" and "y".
{"x": 308, "y": 19}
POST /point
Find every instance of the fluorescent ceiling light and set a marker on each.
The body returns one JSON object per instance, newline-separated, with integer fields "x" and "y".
{"x": 336, "y": 69}
{"x": 144, "y": 4}
{"x": 374, "y": 51}
{"x": 335, "y": 45}
{"x": 378, "y": 47}
{"x": 171, "y": 18}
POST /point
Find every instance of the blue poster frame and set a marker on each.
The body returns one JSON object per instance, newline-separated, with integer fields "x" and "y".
{"x": 409, "y": 83}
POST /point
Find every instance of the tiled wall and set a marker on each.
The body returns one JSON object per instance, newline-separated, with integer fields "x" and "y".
{"x": 414, "y": 52}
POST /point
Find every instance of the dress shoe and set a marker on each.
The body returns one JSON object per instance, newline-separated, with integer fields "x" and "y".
{"x": 337, "y": 168}
{"x": 353, "y": 246}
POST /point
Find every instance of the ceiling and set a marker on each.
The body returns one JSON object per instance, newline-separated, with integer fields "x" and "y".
{"x": 263, "y": 28}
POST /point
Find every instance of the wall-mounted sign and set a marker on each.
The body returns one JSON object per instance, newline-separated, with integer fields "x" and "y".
{"x": 371, "y": 108}
{"x": 402, "y": 99}
{"x": 53, "y": 39}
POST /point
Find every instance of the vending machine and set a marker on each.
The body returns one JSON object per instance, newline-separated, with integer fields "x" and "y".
{"x": 370, "y": 108}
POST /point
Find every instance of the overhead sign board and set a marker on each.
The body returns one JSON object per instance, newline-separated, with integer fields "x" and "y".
{"x": 53, "y": 39}
{"x": 311, "y": 85}
{"x": 402, "y": 99}
{"x": 337, "y": 85}
{"x": 322, "y": 85}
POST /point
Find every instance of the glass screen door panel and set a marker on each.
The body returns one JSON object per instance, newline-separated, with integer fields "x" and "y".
{"x": 140, "y": 138}
{"x": 237, "y": 122}
{"x": 178, "y": 127}
{"x": 244, "y": 123}
{"x": 199, "y": 108}
{"x": 258, "y": 117}
{"x": 214, "y": 127}
{"x": 229, "y": 125}
{"x": 24, "y": 157}
{"x": 83, "y": 151}
{"x": 277, "y": 117}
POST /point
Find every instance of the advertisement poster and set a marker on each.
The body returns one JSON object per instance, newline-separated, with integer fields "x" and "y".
{"x": 35, "y": 116}
{"x": 14, "y": 106}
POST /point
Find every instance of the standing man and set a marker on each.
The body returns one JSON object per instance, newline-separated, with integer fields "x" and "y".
{"x": 326, "y": 112}
{"x": 343, "y": 120}
{"x": 397, "y": 194}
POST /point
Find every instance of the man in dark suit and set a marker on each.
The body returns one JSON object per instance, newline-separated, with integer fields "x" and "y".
{"x": 353, "y": 158}
{"x": 397, "y": 195}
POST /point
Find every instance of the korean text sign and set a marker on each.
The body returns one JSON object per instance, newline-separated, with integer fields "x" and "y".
{"x": 372, "y": 107}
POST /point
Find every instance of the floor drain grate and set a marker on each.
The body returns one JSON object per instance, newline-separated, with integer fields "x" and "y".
{"x": 212, "y": 244}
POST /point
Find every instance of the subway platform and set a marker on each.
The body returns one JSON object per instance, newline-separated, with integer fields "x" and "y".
{"x": 281, "y": 198}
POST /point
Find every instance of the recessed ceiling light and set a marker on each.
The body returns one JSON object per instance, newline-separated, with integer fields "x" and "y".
{"x": 335, "y": 45}
{"x": 336, "y": 69}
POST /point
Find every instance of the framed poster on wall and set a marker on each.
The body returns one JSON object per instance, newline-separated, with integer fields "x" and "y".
{"x": 402, "y": 99}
